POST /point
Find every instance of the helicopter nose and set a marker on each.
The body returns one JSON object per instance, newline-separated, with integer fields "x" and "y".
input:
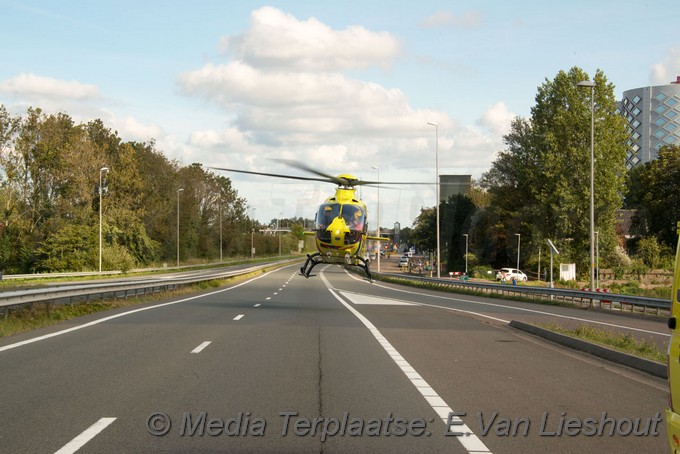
{"x": 338, "y": 228}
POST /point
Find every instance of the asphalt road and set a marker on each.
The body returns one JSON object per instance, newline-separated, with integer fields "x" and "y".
{"x": 327, "y": 364}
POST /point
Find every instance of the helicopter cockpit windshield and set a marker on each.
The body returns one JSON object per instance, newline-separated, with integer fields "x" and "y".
{"x": 327, "y": 212}
{"x": 353, "y": 215}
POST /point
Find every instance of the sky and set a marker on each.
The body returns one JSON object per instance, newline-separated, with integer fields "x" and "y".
{"x": 343, "y": 87}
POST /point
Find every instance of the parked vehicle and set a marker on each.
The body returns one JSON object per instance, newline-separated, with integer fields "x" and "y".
{"x": 508, "y": 274}
{"x": 673, "y": 412}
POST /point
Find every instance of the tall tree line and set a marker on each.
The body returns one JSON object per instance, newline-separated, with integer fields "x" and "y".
{"x": 539, "y": 186}
{"x": 50, "y": 170}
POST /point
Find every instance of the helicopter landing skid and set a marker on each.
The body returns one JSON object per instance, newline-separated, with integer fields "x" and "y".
{"x": 311, "y": 262}
{"x": 364, "y": 266}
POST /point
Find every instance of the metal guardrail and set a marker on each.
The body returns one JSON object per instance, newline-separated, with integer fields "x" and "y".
{"x": 117, "y": 289}
{"x": 134, "y": 288}
{"x": 114, "y": 272}
{"x": 599, "y": 299}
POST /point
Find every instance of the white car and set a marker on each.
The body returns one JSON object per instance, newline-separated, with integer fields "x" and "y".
{"x": 403, "y": 262}
{"x": 507, "y": 275}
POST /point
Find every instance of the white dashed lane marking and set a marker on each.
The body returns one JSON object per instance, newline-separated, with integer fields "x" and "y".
{"x": 200, "y": 348}
{"x": 89, "y": 433}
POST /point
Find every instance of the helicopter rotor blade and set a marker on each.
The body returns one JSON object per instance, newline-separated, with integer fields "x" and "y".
{"x": 323, "y": 177}
{"x": 301, "y": 166}
{"x": 291, "y": 177}
{"x": 340, "y": 181}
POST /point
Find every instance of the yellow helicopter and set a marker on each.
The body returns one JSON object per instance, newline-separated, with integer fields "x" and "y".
{"x": 341, "y": 224}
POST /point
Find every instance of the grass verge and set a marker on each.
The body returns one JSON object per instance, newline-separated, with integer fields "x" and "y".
{"x": 623, "y": 342}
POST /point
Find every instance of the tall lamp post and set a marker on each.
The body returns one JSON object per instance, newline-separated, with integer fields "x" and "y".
{"x": 252, "y": 236}
{"x": 591, "y": 84}
{"x": 436, "y": 183}
{"x": 178, "y": 191}
{"x": 519, "y": 237}
{"x": 220, "y": 229}
{"x": 466, "y": 251}
{"x": 379, "y": 244}
{"x": 278, "y": 232}
{"x": 102, "y": 171}
{"x": 597, "y": 259}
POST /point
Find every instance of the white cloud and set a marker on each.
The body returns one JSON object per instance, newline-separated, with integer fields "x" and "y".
{"x": 668, "y": 70}
{"x": 300, "y": 106}
{"x": 284, "y": 95}
{"x": 38, "y": 87}
{"x": 497, "y": 119}
{"x": 279, "y": 40}
{"x": 130, "y": 128}
{"x": 469, "y": 19}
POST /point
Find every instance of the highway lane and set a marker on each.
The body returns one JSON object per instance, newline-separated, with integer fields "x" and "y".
{"x": 298, "y": 352}
{"x": 485, "y": 367}
{"x": 282, "y": 344}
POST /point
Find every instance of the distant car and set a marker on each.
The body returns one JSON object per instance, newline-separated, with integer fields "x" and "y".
{"x": 507, "y": 275}
{"x": 403, "y": 262}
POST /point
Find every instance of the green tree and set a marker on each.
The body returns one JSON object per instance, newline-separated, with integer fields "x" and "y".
{"x": 653, "y": 191}
{"x": 540, "y": 185}
{"x": 50, "y": 172}
{"x": 424, "y": 235}
{"x": 455, "y": 218}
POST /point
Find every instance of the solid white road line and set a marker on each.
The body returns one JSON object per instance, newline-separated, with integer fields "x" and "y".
{"x": 200, "y": 348}
{"x": 239, "y": 317}
{"x": 522, "y": 309}
{"x": 469, "y": 440}
{"x": 89, "y": 433}
{"x": 123, "y": 314}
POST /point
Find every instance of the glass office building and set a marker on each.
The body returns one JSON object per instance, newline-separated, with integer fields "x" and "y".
{"x": 653, "y": 115}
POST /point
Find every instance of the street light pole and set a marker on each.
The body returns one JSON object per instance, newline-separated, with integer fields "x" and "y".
{"x": 466, "y": 251}
{"x": 178, "y": 191}
{"x": 379, "y": 244}
{"x": 252, "y": 235}
{"x": 279, "y": 233}
{"x": 101, "y": 171}
{"x": 597, "y": 259}
{"x": 519, "y": 237}
{"x": 591, "y": 84}
{"x": 220, "y": 230}
{"x": 436, "y": 183}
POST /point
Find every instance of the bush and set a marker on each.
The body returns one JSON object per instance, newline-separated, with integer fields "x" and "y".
{"x": 483, "y": 272}
{"x": 117, "y": 258}
{"x": 69, "y": 249}
{"x": 639, "y": 268}
{"x": 649, "y": 251}
{"x": 619, "y": 272}
{"x": 619, "y": 258}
